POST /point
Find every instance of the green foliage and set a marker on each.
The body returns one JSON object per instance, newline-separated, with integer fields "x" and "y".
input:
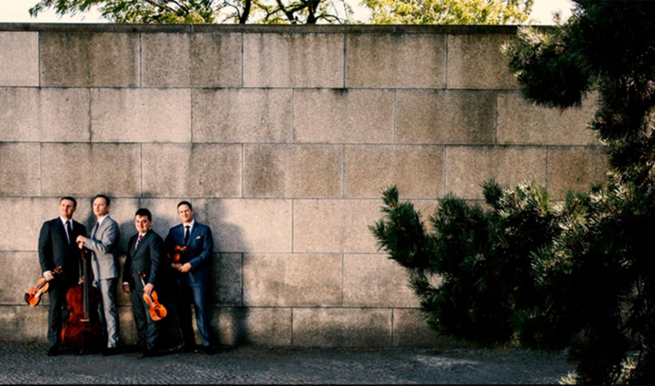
{"x": 449, "y": 11}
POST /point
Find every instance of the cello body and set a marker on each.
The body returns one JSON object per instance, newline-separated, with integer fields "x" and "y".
{"x": 83, "y": 331}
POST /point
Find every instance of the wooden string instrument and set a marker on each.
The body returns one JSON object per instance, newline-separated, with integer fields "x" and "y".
{"x": 33, "y": 295}
{"x": 157, "y": 310}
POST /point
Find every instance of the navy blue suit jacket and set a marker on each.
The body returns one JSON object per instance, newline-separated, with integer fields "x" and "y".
{"x": 199, "y": 250}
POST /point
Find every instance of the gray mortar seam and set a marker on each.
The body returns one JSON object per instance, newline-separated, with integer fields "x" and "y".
{"x": 242, "y": 61}
{"x": 445, "y": 73}
{"x": 345, "y": 58}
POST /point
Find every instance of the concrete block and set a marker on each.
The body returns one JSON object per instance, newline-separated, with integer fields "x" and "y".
{"x": 468, "y": 167}
{"x": 19, "y": 59}
{"x": 19, "y": 271}
{"x": 141, "y": 115}
{"x": 396, "y": 61}
{"x": 91, "y": 168}
{"x": 27, "y": 215}
{"x": 44, "y": 115}
{"x": 411, "y": 330}
{"x": 575, "y": 168}
{"x": 242, "y": 225}
{"x": 165, "y": 58}
{"x": 375, "y": 281}
{"x": 293, "y": 60}
{"x": 127, "y": 330}
{"x": 227, "y": 279}
{"x": 24, "y": 324}
{"x": 337, "y": 226}
{"x": 475, "y": 61}
{"x": 259, "y": 326}
{"x": 196, "y": 170}
{"x": 446, "y": 116}
{"x": 216, "y": 59}
{"x": 20, "y": 169}
{"x": 417, "y": 171}
{"x": 341, "y": 327}
{"x": 293, "y": 171}
{"x": 343, "y": 116}
{"x": 96, "y": 59}
{"x": 242, "y": 115}
{"x": 521, "y": 122}
{"x": 292, "y": 280}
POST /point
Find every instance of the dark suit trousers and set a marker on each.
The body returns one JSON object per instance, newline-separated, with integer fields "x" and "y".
{"x": 147, "y": 329}
{"x": 193, "y": 293}
{"x": 58, "y": 311}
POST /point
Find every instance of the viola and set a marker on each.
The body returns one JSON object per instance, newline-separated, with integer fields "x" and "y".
{"x": 178, "y": 251}
{"x": 83, "y": 331}
{"x": 157, "y": 310}
{"x": 33, "y": 295}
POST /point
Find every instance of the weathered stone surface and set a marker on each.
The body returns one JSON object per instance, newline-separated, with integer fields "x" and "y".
{"x": 575, "y": 168}
{"x": 341, "y": 327}
{"x": 28, "y": 323}
{"x": 292, "y": 280}
{"x": 521, "y": 122}
{"x": 127, "y": 331}
{"x": 293, "y": 60}
{"x": 141, "y": 115}
{"x": 293, "y": 171}
{"x": 44, "y": 115}
{"x": 91, "y": 168}
{"x": 375, "y": 281}
{"x": 27, "y": 215}
{"x": 468, "y": 167}
{"x": 411, "y": 330}
{"x": 196, "y": 170}
{"x": 446, "y": 116}
{"x": 242, "y": 225}
{"x": 260, "y": 326}
{"x": 475, "y": 61}
{"x": 76, "y": 59}
{"x": 417, "y": 171}
{"x": 226, "y": 279}
{"x": 19, "y": 59}
{"x": 165, "y": 58}
{"x": 396, "y": 61}
{"x": 20, "y": 169}
{"x": 216, "y": 60}
{"x": 19, "y": 271}
{"x": 343, "y": 116}
{"x": 339, "y": 226}
{"x": 242, "y": 115}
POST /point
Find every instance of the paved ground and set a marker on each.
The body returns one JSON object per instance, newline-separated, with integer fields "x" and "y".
{"x": 28, "y": 363}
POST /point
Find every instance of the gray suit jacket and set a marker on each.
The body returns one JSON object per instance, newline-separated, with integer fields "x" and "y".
{"x": 104, "y": 246}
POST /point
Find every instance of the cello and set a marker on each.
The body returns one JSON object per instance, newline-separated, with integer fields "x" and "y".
{"x": 82, "y": 331}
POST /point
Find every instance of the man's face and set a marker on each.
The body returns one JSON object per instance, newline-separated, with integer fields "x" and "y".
{"x": 66, "y": 209}
{"x": 142, "y": 224}
{"x": 185, "y": 213}
{"x": 100, "y": 207}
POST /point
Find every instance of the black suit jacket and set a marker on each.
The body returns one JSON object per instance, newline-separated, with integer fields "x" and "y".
{"x": 54, "y": 249}
{"x": 147, "y": 258}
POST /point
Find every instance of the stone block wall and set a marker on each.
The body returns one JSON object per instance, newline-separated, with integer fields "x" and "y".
{"x": 281, "y": 137}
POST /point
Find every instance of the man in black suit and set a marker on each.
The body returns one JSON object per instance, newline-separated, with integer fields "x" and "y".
{"x": 57, "y": 247}
{"x": 144, "y": 253}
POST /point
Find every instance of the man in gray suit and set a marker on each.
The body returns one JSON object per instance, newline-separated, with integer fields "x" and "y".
{"x": 103, "y": 244}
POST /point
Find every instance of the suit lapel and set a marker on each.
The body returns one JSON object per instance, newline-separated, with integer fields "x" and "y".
{"x": 194, "y": 232}
{"x": 143, "y": 240}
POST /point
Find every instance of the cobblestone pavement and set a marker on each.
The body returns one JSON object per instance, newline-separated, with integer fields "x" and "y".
{"x": 28, "y": 363}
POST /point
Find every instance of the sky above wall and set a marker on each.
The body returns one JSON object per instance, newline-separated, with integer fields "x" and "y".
{"x": 16, "y": 11}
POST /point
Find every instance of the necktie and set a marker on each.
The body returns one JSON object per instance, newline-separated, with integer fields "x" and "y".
{"x": 186, "y": 234}
{"x": 69, "y": 231}
{"x": 138, "y": 241}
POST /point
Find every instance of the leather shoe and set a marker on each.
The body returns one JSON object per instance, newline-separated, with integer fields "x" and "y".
{"x": 189, "y": 348}
{"x": 148, "y": 354}
{"x": 109, "y": 351}
{"x": 209, "y": 350}
{"x": 54, "y": 351}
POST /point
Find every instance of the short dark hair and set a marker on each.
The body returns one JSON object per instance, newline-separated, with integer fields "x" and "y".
{"x": 107, "y": 200}
{"x": 69, "y": 199}
{"x": 143, "y": 212}
{"x": 187, "y": 203}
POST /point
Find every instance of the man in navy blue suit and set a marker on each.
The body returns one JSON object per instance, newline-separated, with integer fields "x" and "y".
{"x": 192, "y": 274}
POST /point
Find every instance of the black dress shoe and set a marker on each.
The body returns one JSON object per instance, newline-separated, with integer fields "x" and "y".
{"x": 189, "y": 348}
{"x": 54, "y": 351}
{"x": 209, "y": 350}
{"x": 148, "y": 354}
{"x": 109, "y": 351}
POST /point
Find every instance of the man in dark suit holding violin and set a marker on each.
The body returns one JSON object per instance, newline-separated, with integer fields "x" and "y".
{"x": 195, "y": 243}
{"x": 57, "y": 247}
{"x": 144, "y": 254}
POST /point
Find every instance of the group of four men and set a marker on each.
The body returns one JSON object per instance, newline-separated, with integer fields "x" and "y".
{"x": 62, "y": 238}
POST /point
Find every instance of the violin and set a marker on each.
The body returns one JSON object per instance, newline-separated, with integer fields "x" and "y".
{"x": 178, "y": 252}
{"x": 33, "y": 295}
{"x": 82, "y": 331}
{"x": 157, "y": 310}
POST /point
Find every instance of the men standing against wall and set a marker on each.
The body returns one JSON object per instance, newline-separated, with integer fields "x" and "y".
{"x": 196, "y": 244}
{"x": 144, "y": 254}
{"x": 57, "y": 248}
{"x": 103, "y": 244}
